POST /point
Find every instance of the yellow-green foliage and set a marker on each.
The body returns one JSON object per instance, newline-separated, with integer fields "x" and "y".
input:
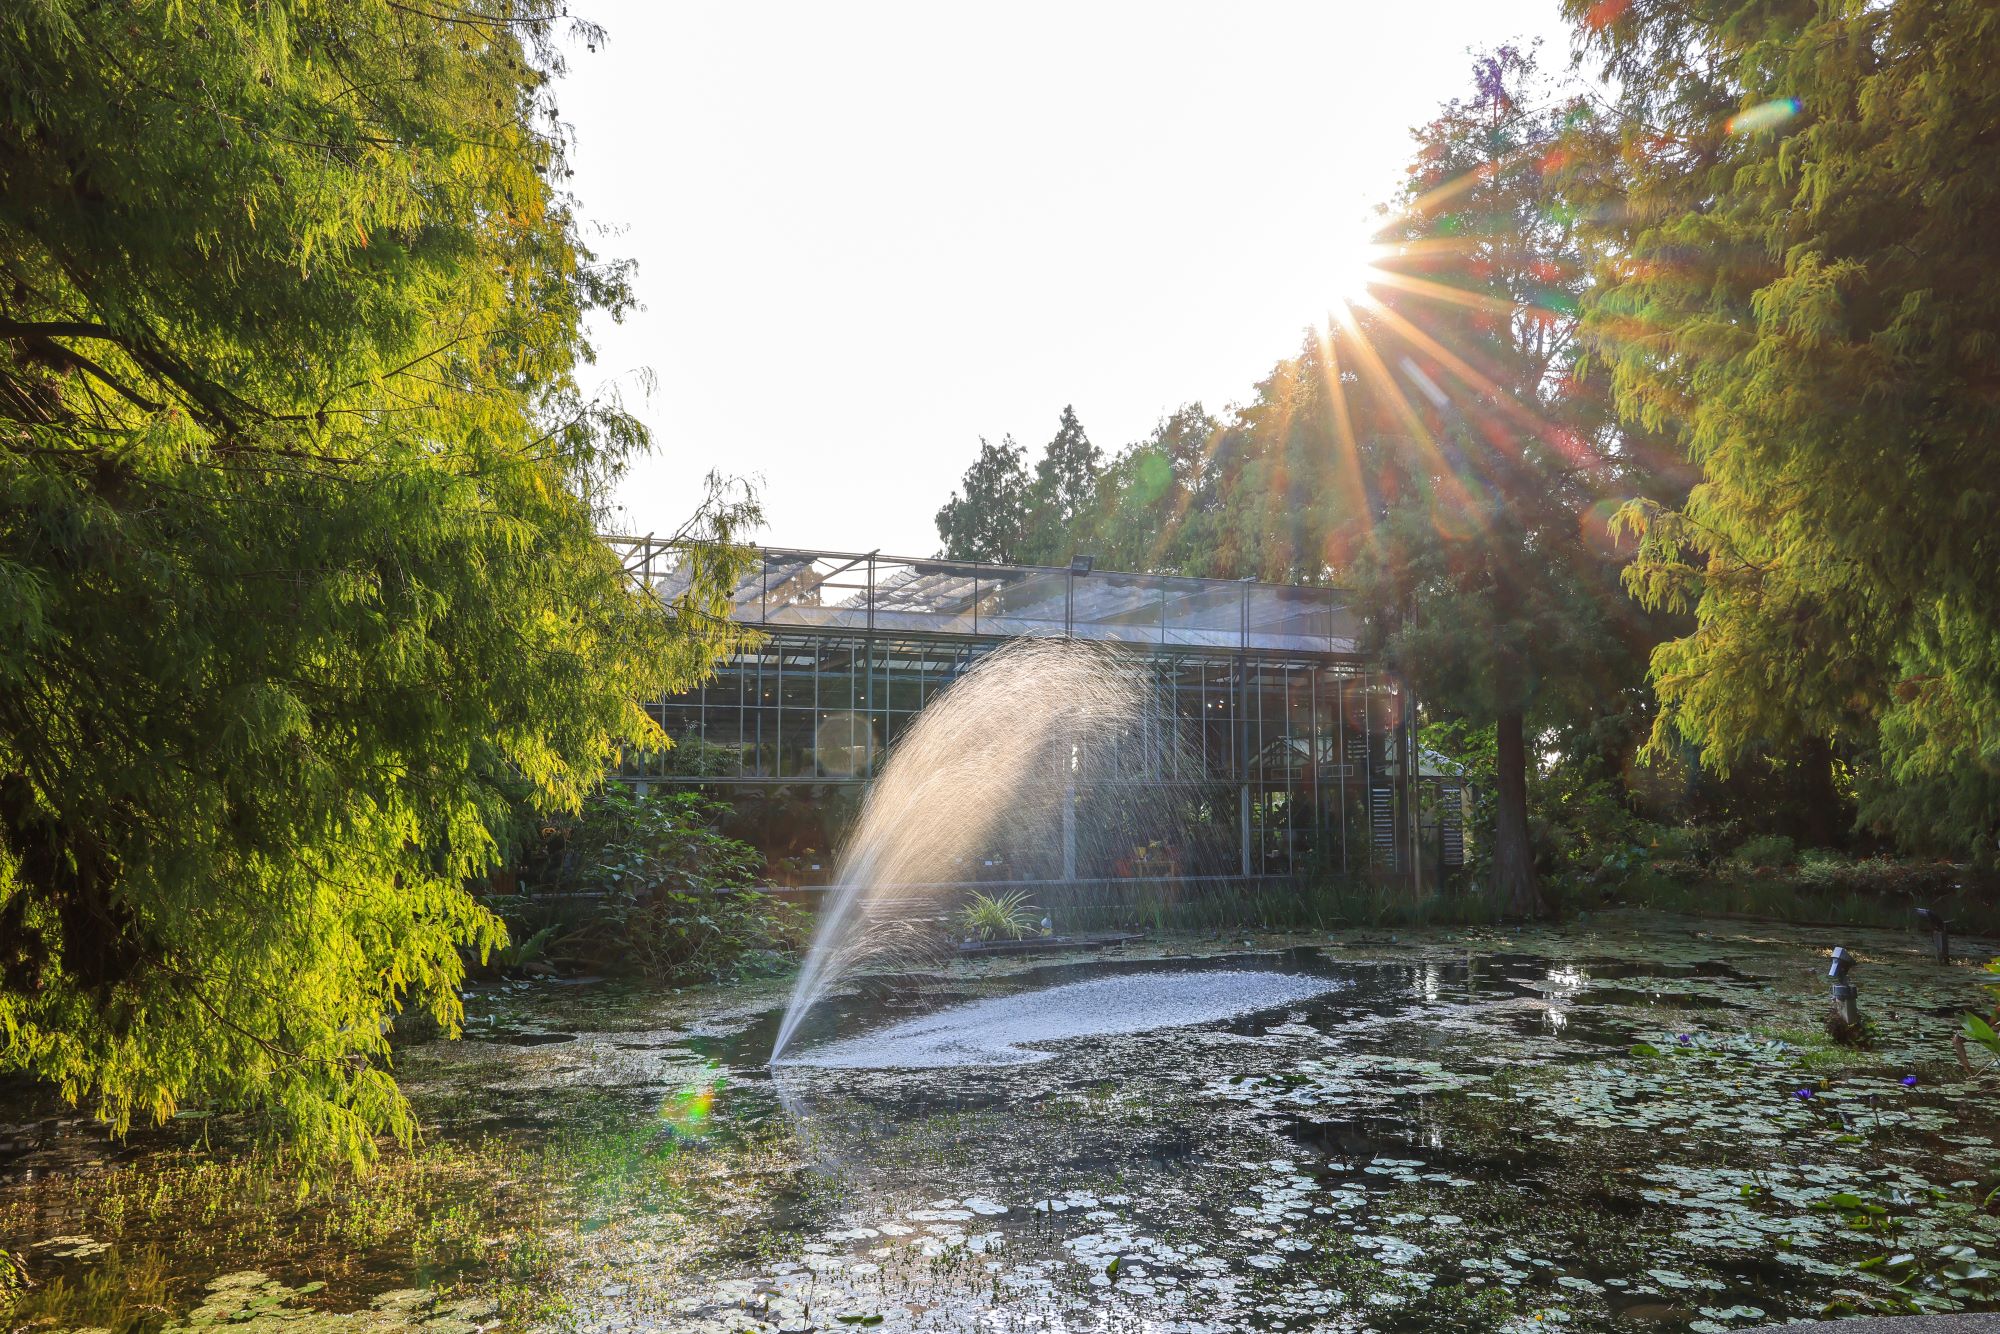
{"x": 298, "y": 584}
{"x": 1800, "y": 284}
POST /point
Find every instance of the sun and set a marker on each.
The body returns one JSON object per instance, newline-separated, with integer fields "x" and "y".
{"x": 1350, "y": 261}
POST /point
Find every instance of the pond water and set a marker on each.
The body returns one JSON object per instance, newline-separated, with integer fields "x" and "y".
{"x": 1630, "y": 1122}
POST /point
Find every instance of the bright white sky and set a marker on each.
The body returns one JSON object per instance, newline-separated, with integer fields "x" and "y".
{"x": 868, "y": 234}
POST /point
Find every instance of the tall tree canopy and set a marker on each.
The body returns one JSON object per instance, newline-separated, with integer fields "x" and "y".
{"x": 1485, "y": 553}
{"x": 1438, "y": 446}
{"x": 1062, "y": 499}
{"x": 298, "y": 584}
{"x": 1803, "y": 285}
{"x": 1156, "y": 500}
{"x": 989, "y": 519}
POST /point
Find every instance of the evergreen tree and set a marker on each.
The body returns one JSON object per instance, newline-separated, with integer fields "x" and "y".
{"x": 1803, "y": 286}
{"x": 1062, "y": 498}
{"x": 989, "y": 520}
{"x": 298, "y": 579}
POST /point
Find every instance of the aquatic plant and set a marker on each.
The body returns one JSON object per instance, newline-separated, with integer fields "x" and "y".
{"x": 13, "y": 1277}
{"x": 1979, "y": 1029}
{"x": 1004, "y": 916}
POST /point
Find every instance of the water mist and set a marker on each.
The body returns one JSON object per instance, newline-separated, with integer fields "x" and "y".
{"x": 992, "y": 764}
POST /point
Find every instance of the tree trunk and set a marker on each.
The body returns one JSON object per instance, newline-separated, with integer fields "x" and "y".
{"x": 1819, "y": 823}
{"x": 1513, "y": 862}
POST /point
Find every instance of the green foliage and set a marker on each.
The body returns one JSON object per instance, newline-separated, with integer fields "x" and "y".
{"x": 1767, "y": 850}
{"x": 1005, "y": 916}
{"x": 989, "y": 521}
{"x": 1980, "y": 1029}
{"x": 1473, "y": 752}
{"x": 1004, "y": 515}
{"x": 302, "y": 593}
{"x": 1167, "y": 502}
{"x": 1062, "y": 499}
{"x": 1481, "y": 549}
{"x": 1685, "y": 843}
{"x": 652, "y": 887}
{"x": 1583, "y": 826}
{"x": 1882, "y": 877}
{"x": 1802, "y": 286}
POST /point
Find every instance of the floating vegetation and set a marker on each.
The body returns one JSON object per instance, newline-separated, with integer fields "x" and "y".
{"x": 1637, "y": 1121}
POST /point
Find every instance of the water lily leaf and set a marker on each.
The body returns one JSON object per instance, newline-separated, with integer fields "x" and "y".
{"x": 873, "y": 1319}
{"x": 1645, "y": 1049}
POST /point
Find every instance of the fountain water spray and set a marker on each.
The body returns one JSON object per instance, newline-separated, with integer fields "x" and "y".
{"x": 992, "y": 765}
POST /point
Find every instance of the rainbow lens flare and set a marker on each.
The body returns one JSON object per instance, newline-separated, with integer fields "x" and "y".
{"x": 1764, "y": 116}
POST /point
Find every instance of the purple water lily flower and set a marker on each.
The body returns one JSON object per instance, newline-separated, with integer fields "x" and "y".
{"x": 1683, "y": 1039}
{"x": 1909, "y": 1081}
{"x": 1803, "y": 1093}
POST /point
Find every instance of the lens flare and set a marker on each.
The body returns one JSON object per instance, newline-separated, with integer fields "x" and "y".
{"x": 1350, "y": 261}
{"x": 1764, "y": 116}
{"x": 687, "y": 1110}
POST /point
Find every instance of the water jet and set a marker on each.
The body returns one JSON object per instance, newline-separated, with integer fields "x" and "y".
{"x": 995, "y": 768}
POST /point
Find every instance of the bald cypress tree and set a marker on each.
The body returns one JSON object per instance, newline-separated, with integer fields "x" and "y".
{"x": 299, "y": 587}
{"x": 1488, "y": 463}
{"x": 1802, "y": 286}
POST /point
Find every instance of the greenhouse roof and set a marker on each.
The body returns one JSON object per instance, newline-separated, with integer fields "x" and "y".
{"x": 790, "y": 588}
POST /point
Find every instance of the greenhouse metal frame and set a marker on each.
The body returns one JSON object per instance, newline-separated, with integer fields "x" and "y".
{"x": 1300, "y": 743}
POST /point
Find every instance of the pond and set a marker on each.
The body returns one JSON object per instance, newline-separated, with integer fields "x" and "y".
{"x": 1627, "y": 1122}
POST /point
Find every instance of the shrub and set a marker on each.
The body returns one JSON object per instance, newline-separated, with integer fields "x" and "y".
{"x": 1581, "y": 824}
{"x": 1767, "y": 850}
{"x": 1880, "y": 877}
{"x": 1683, "y": 843}
{"x": 650, "y": 887}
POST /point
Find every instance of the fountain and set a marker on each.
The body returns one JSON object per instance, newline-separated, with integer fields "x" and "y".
{"x": 993, "y": 764}
{"x": 1014, "y": 1029}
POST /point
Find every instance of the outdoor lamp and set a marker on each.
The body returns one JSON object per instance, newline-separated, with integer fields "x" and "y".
{"x": 1846, "y": 995}
{"x": 1081, "y": 564}
{"x": 1940, "y": 930}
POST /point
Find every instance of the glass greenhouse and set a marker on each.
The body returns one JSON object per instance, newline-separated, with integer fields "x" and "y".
{"x": 1293, "y": 749}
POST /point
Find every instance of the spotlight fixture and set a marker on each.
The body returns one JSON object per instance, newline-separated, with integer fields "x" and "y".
{"x": 1081, "y": 564}
{"x": 1934, "y": 921}
{"x": 1846, "y": 1019}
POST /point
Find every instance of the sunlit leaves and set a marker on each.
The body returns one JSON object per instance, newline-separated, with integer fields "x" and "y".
{"x": 1800, "y": 287}
{"x": 299, "y": 588}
